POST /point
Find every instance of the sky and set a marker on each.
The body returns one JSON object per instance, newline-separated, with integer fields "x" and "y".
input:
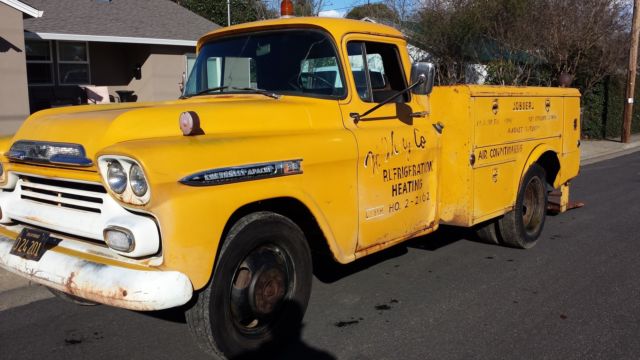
{"x": 338, "y": 8}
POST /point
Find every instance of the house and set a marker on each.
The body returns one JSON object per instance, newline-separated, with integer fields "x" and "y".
{"x": 14, "y": 95}
{"x": 132, "y": 50}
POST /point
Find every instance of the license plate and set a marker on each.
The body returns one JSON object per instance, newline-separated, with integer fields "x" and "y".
{"x": 31, "y": 244}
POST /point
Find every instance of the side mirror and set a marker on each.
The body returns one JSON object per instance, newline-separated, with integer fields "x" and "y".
{"x": 428, "y": 72}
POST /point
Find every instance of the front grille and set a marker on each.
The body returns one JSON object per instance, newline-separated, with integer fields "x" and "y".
{"x": 66, "y": 194}
{"x": 70, "y": 208}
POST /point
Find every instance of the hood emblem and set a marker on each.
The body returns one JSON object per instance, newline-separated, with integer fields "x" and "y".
{"x": 49, "y": 153}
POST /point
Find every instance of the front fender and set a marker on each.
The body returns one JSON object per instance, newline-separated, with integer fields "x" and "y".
{"x": 192, "y": 218}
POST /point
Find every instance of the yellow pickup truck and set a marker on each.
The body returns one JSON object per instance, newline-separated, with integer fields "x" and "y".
{"x": 293, "y": 137}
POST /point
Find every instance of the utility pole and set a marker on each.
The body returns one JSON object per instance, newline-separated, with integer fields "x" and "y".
{"x": 228, "y": 12}
{"x": 631, "y": 81}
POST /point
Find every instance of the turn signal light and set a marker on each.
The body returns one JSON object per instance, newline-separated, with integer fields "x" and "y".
{"x": 119, "y": 239}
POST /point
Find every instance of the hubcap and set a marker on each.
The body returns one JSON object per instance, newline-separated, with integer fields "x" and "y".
{"x": 533, "y": 206}
{"x": 260, "y": 284}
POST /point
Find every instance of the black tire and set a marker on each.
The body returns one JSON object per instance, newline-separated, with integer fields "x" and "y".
{"x": 487, "y": 232}
{"x": 71, "y": 298}
{"x": 521, "y": 227}
{"x": 259, "y": 290}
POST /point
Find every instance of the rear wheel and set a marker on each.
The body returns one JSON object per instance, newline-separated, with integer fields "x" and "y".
{"x": 521, "y": 227}
{"x": 259, "y": 290}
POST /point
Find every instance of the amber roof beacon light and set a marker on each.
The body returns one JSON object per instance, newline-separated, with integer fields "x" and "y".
{"x": 286, "y": 8}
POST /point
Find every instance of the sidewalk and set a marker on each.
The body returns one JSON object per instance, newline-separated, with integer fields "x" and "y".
{"x": 15, "y": 291}
{"x": 593, "y": 151}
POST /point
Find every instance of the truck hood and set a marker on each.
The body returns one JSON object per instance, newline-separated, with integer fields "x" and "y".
{"x": 98, "y": 126}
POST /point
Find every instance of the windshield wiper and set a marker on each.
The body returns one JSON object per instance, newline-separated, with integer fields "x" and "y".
{"x": 270, "y": 94}
{"x": 205, "y": 91}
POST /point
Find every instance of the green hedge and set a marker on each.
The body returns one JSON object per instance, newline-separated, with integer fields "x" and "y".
{"x": 603, "y": 108}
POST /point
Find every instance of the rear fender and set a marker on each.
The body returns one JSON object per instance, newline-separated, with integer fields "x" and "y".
{"x": 534, "y": 156}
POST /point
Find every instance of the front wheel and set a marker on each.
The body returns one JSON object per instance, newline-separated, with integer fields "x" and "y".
{"x": 259, "y": 290}
{"x": 521, "y": 227}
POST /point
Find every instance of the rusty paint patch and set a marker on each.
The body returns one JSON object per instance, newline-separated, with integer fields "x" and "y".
{"x": 68, "y": 283}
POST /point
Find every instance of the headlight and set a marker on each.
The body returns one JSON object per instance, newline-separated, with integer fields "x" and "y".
{"x": 116, "y": 177}
{"x": 137, "y": 181}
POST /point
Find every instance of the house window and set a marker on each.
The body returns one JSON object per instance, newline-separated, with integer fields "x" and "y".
{"x": 73, "y": 63}
{"x": 39, "y": 62}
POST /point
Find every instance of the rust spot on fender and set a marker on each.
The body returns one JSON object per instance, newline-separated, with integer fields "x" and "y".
{"x": 69, "y": 283}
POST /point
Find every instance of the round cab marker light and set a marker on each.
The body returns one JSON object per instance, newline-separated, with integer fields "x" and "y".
{"x": 190, "y": 124}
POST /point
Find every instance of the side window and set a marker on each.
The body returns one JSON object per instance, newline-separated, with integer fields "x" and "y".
{"x": 377, "y": 71}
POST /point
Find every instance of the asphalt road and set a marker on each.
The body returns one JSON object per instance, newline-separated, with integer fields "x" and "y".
{"x": 576, "y": 295}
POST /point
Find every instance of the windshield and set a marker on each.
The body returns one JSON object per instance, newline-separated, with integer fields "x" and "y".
{"x": 292, "y": 62}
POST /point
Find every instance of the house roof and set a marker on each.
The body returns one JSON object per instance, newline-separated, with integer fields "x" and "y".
{"x": 22, "y": 7}
{"x": 123, "y": 21}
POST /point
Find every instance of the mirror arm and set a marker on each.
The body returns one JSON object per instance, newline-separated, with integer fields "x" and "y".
{"x": 357, "y": 117}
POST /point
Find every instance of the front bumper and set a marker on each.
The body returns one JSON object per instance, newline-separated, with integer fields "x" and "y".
{"x": 124, "y": 287}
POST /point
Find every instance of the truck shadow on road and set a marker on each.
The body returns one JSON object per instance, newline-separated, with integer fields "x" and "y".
{"x": 328, "y": 270}
{"x": 286, "y": 346}
{"x": 289, "y": 346}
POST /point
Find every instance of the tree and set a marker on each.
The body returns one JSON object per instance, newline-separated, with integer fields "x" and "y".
{"x": 307, "y": 7}
{"x": 376, "y": 11}
{"x": 241, "y": 10}
{"x": 449, "y": 31}
{"x": 524, "y": 42}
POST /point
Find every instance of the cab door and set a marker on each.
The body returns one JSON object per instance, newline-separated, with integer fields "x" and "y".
{"x": 396, "y": 144}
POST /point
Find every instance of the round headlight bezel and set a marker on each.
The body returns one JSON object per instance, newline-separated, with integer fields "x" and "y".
{"x": 118, "y": 186}
{"x": 127, "y": 196}
{"x": 138, "y": 181}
